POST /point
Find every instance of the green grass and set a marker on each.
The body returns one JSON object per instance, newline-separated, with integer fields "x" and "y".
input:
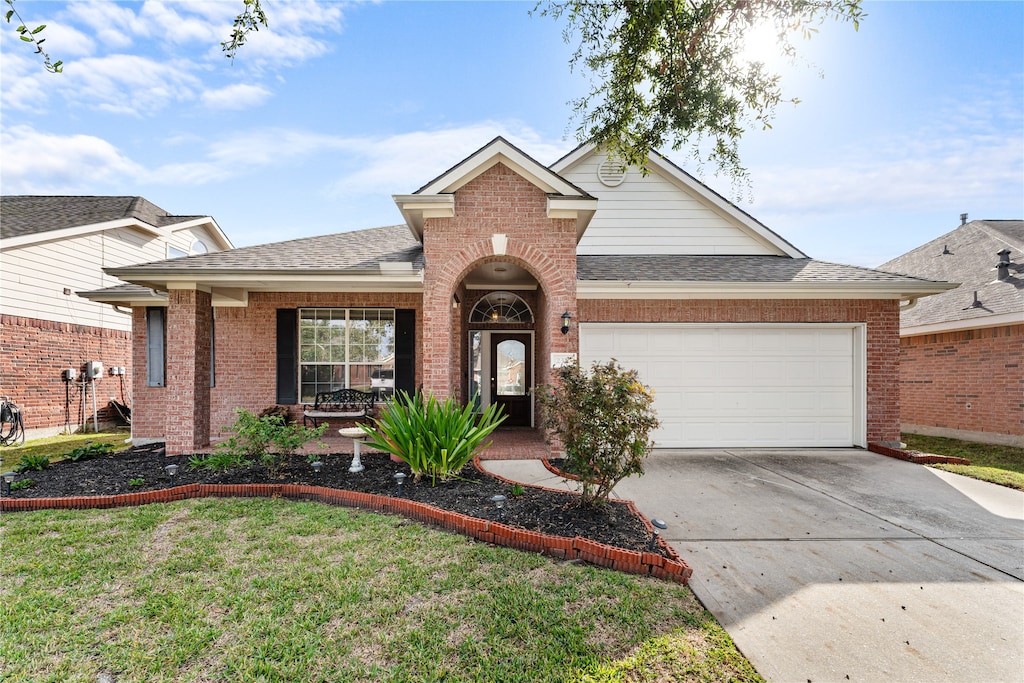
{"x": 1002, "y": 465}
{"x": 55, "y": 447}
{"x": 273, "y": 590}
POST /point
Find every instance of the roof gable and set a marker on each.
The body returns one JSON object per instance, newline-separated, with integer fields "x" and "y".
{"x": 667, "y": 211}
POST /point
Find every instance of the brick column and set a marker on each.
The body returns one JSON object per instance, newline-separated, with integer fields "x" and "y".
{"x": 188, "y": 371}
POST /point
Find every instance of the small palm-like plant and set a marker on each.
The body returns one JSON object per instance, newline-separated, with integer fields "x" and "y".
{"x": 434, "y": 438}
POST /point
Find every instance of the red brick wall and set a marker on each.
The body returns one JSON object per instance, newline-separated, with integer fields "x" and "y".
{"x": 188, "y": 371}
{"x": 881, "y": 317}
{"x": 499, "y": 201}
{"x": 971, "y": 380}
{"x": 245, "y": 349}
{"x": 34, "y": 352}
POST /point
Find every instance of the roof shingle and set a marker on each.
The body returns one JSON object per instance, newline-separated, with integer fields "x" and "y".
{"x": 22, "y": 215}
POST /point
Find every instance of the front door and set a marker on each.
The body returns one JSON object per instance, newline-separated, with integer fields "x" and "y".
{"x": 512, "y": 377}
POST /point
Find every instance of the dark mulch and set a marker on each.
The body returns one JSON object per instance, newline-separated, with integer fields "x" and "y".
{"x": 549, "y": 512}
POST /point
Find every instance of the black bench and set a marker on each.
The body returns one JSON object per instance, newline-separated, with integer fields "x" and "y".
{"x": 350, "y": 404}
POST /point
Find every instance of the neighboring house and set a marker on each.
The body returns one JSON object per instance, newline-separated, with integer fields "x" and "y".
{"x": 51, "y": 248}
{"x": 745, "y": 340}
{"x": 962, "y": 352}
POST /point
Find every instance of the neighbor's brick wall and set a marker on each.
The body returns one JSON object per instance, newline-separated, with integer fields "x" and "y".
{"x": 34, "y": 352}
{"x": 499, "y": 201}
{"x": 970, "y": 380}
{"x": 881, "y": 317}
{"x": 245, "y": 347}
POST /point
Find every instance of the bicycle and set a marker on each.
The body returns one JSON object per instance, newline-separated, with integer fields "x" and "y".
{"x": 12, "y": 427}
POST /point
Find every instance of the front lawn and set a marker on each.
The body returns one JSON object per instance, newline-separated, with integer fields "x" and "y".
{"x": 255, "y": 589}
{"x": 1002, "y": 465}
{"x": 56, "y": 447}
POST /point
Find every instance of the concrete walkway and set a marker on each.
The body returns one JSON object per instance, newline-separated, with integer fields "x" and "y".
{"x": 835, "y": 565}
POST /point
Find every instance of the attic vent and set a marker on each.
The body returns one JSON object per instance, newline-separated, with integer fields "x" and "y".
{"x": 611, "y": 172}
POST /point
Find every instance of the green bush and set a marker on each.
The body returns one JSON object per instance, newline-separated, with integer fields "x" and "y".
{"x": 434, "y": 438}
{"x": 253, "y": 437}
{"x": 32, "y": 462}
{"x": 604, "y": 419}
{"x": 218, "y": 461}
{"x": 89, "y": 450}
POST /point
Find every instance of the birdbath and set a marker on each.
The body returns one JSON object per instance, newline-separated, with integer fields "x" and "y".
{"x": 358, "y": 436}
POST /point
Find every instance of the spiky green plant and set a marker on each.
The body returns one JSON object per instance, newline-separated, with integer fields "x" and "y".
{"x": 434, "y": 438}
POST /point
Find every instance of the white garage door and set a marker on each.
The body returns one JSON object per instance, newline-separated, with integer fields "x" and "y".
{"x": 740, "y": 385}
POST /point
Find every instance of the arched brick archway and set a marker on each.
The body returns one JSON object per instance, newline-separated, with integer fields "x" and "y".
{"x": 444, "y": 326}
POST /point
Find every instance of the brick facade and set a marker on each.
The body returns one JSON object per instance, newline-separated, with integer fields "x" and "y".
{"x": 244, "y": 353}
{"x": 969, "y": 382}
{"x": 881, "y": 317}
{"x": 34, "y": 352}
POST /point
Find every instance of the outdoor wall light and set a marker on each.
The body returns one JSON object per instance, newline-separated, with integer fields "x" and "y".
{"x": 171, "y": 470}
{"x": 566, "y": 317}
{"x": 657, "y": 524}
{"x": 499, "y": 502}
{"x": 399, "y": 478}
{"x": 317, "y": 466}
{"x": 8, "y": 478}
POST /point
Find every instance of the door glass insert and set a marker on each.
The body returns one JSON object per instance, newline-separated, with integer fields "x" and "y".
{"x": 511, "y": 368}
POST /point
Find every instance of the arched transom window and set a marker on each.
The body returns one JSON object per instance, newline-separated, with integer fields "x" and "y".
{"x": 501, "y": 307}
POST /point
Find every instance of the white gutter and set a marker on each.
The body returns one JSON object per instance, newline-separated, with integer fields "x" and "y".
{"x": 641, "y": 289}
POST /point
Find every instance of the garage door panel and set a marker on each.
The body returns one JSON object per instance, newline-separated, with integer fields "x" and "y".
{"x": 739, "y": 385}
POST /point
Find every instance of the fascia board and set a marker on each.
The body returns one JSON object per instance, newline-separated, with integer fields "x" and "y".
{"x": 210, "y": 224}
{"x": 64, "y": 233}
{"x": 753, "y": 290}
{"x": 284, "y": 281}
{"x": 500, "y": 151}
{"x": 416, "y": 208}
{"x": 147, "y": 298}
{"x": 573, "y": 158}
{"x": 1016, "y": 318}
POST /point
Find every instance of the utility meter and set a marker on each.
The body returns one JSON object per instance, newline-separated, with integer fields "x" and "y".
{"x": 94, "y": 369}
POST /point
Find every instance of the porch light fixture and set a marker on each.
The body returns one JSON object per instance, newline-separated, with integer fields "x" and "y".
{"x": 171, "y": 470}
{"x": 8, "y": 478}
{"x": 399, "y": 478}
{"x": 566, "y": 317}
{"x": 499, "y": 502}
{"x": 317, "y": 466}
{"x": 657, "y": 524}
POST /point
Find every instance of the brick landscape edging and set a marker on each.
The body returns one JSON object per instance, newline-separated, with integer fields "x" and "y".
{"x": 561, "y": 547}
{"x": 918, "y": 458}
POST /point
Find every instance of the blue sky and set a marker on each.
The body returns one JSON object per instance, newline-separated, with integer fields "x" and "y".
{"x": 918, "y": 117}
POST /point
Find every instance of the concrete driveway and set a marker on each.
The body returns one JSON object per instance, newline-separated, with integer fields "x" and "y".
{"x": 836, "y": 565}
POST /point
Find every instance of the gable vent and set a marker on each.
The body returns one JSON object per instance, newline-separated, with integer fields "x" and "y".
{"x": 611, "y": 172}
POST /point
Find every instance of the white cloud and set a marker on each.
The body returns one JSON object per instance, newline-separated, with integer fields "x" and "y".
{"x": 237, "y": 96}
{"x": 42, "y": 163}
{"x": 130, "y": 84}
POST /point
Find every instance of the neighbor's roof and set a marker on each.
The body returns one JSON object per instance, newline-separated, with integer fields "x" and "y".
{"x": 968, "y": 255}
{"x": 22, "y": 215}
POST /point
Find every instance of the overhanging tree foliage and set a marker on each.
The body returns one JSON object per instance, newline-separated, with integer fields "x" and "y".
{"x": 671, "y": 72}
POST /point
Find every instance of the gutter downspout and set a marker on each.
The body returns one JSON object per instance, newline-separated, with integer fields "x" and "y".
{"x": 910, "y": 303}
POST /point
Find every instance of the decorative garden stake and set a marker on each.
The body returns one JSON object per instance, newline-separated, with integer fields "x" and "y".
{"x": 8, "y": 480}
{"x": 399, "y": 478}
{"x": 171, "y": 470}
{"x": 499, "y": 502}
{"x": 658, "y": 524}
{"x": 317, "y": 466}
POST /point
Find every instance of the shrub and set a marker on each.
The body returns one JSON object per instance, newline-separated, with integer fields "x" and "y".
{"x": 434, "y": 438}
{"x": 254, "y": 435}
{"x": 32, "y": 462}
{"x": 89, "y": 450}
{"x": 604, "y": 419}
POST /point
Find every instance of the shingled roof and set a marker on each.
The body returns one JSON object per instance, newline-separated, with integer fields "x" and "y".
{"x": 22, "y": 215}
{"x": 967, "y": 255}
{"x": 360, "y": 250}
{"x": 741, "y": 269}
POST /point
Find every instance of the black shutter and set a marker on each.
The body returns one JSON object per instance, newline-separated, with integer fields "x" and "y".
{"x": 287, "y": 356}
{"x": 405, "y": 350}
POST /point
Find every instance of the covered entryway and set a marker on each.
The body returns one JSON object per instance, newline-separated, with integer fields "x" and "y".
{"x": 743, "y": 385}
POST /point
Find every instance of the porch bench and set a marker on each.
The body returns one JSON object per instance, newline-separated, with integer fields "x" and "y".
{"x": 342, "y": 404}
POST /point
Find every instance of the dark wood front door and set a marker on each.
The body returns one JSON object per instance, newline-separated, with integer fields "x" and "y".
{"x": 512, "y": 377}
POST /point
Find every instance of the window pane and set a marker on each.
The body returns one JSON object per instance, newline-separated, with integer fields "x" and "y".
{"x": 511, "y": 367}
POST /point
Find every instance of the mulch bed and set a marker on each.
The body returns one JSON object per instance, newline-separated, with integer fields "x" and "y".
{"x": 540, "y": 510}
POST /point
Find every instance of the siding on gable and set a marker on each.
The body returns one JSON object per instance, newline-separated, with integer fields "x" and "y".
{"x": 651, "y": 214}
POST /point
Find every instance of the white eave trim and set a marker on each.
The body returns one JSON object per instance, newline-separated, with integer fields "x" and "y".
{"x": 416, "y": 208}
{"x": 640, "y": 289}
{"x": 582, "y": 209}
{"x": 219, "y": 235}
{"x": 78, "y": 230}
{"x": 959, "y": 325}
